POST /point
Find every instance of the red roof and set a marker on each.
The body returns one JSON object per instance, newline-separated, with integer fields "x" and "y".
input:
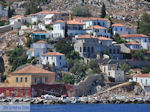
{"x": 96, "y": 27}
{"x": 119, "y": 25}
{"x": 92, "y": 18}
{"x": 41, "y": 41}
{"x": 31, "y": 69}
{"x": 59, "y": 21}
{"x": 133, "y": 43}
{"x": 103, "y": 38}
{"x": 39, "y": 32}
{"x": 134, "y": 36}
{"x": 142, "y": 75}
{"x": 74, "y": 23}
{"x": 52, "y": 53}
{"x": 17, "y": 16}
{"x": 30, "y": 50}
{"x": 86, "y": 36}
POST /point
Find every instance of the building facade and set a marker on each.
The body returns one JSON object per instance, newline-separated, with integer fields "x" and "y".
{"x": 143, "y": 40}
{"x": 40, "y": 35}
{"x": 134, "y": 45}
{"x": 54, "y": 58}
{"x": 37, "y": 49}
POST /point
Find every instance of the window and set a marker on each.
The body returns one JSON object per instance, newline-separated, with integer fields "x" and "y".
{"x": 116, "y": 29}
{"x": 46, "y": 79}
{"x": 120, "y": 29}
{"x": 146, "y": 81}
{"x": 145, "y": 40}
{"x": 40, "y": 80}
{"x": 92, "y": 49}
{"x": 26, "y": 79}
{"x": 105, "y": 31}
{"x": 16, "y": 79}
{"x": 21, "y": 79}
{"x": 114, "y": 51}
{"x": 110, "y": 51}
{"x": 46, "y": 58}
{"x": 60, "y": 63}
{"x": 80, "y": 49}
{"x": 35, "y": 80}
{"x": 84, "y": 49}
{"x": 88, "y": 49}
{"x": 118, "y": 51}
{"x": 60, "y": 57}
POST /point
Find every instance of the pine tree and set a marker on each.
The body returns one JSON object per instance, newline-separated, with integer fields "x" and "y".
{"x": 9, "y": 12}
{"x": 103, "y": 11}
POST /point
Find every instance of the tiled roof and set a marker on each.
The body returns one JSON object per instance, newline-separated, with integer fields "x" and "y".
{"x": 86, "y": 36}
{"x": 119, "y": 25}
{"x": 48, "y": 12}
{"x": 148, "y": 51}
{"x": 59, "y": 21}
{"x": 142, "y": 75}
{"x": 41, "y": 41}
{"x": 17, "y": 16}
{"x": 74, "y": 23}
{"x": 92, "y": 18}
{"x": 39, "y": 32}
{"x": 133, "y": 43}
{"x": 96, "y": 27}
{"x": 134, "y": 35}
{"x": 31, "y": 69}
{"x": 52, "y": 53}
{"x": 30, "y": 50}
{"x": 103, "y": 38}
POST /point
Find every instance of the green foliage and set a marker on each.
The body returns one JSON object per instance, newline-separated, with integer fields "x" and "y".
{"x": 66, "y": 30}
{"x": 145, "y": 70}
{"x": 10, "y": 12}
{"x": 30, "y": 60}
{"x": 17, "y": 57}
{"x": 139, "y": 54}
{"x": 48, "y": 27}
{"x": 3, "y": 22}
{"x": 125, "y": 67}
{"x": 68, "y": 78}
{"x": 79, "y": 70}
{"x": 144, "y": 24}
{"x": 79, "y": 10}
{"x": 29, "y": 42}
{"x": 118, "y": 39}
{"x": 94, "y": 66}
{"x": 31, "y": 7}
{"x": 64, "y": 46}
{"x": 3, "y": 78}
{"x": 103, "y": 11}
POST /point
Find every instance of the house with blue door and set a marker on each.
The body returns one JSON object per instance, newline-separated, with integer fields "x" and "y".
{"x": 40, "y": 35}
{"x": 37, "y": 49}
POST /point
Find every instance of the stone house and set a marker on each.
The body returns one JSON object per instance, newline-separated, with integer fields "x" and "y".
{"x": 90, "y": 47}
{"x": 111, "y": 70}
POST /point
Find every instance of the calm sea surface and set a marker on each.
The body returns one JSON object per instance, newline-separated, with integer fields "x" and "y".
{"x": 92, "y": 108}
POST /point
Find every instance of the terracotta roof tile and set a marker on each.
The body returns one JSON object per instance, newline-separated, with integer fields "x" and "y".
{"x": 31, "y": 69}
{"x": 92, "y": 18}
{"x": 119, "y": 25}
{"x": 74, "y": 23}
{"x": 41, "y": 41}
{"x": 103, "y": 38}
{"x": 142, "y": 75}
{"x": 39, "y": 32}
{"x": 17, "y": 16}
{"x": 134, "y": 35}
{"x": 52, "y": 53}
{"x": 30, "y": 50}
{"x": 96, "y": 27}
{"x": 133, "y": 43}
{"x": 59, "y": 21}
{"x": 86, "y": 36}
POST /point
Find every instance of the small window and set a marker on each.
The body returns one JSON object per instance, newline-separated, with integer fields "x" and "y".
{"x": 80, "y": 49}
{"x": 40, "y": 80}
{"x": 60, "y": 57}
{"x": 46, "y": 79}
{"x": 21, "y": 79}
{"x": 16, "y": 79}
{"x": 26, "y": 79}
{"x": 120, "y": 29}
{"x": 84, "y": 49}
{"x": 35, "y": 80}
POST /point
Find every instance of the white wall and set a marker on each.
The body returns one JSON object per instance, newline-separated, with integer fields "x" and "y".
{"x": 144, "y": 81}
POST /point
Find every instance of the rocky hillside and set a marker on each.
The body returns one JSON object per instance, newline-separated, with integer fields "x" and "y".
{"x": 128, "y": 10}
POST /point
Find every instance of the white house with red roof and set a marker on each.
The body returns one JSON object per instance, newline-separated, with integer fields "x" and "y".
{"x": 144, "y": 81}
{"x": 16, "y": 19}
{"x": 104, "y": 22}
{"x": 142, "y": 39}
{"x": 54, "y": 58}
{"x": 73, "y": 28}
{"x": 134, "y": 45}
{"x": 37, "y": 49}
{"x": 46, "y": 17}
{"x": 97, "y": 30}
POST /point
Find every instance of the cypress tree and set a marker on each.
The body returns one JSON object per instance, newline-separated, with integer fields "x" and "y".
{"x": 103, "y": 11}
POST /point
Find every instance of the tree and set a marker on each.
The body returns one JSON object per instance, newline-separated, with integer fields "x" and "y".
{"x": 103, "y": 11}
{"x": 144, "y": 24}
{"x": 125, "y": 67}
{"x": 10, "y": 12}
{"x": 118, "y": 39}
{"x": 17, "y": 57}
{"x": 66, "y": 30}
{"x": 145, "y": 70}
{"x": 81, "y": 11}
{"x": 139, "y": 54}
{"x": 49, "y": 27}
{"x": 68, "y": 78}
{"x": 94, "y": 66}
{"x": 79, "y": 70}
